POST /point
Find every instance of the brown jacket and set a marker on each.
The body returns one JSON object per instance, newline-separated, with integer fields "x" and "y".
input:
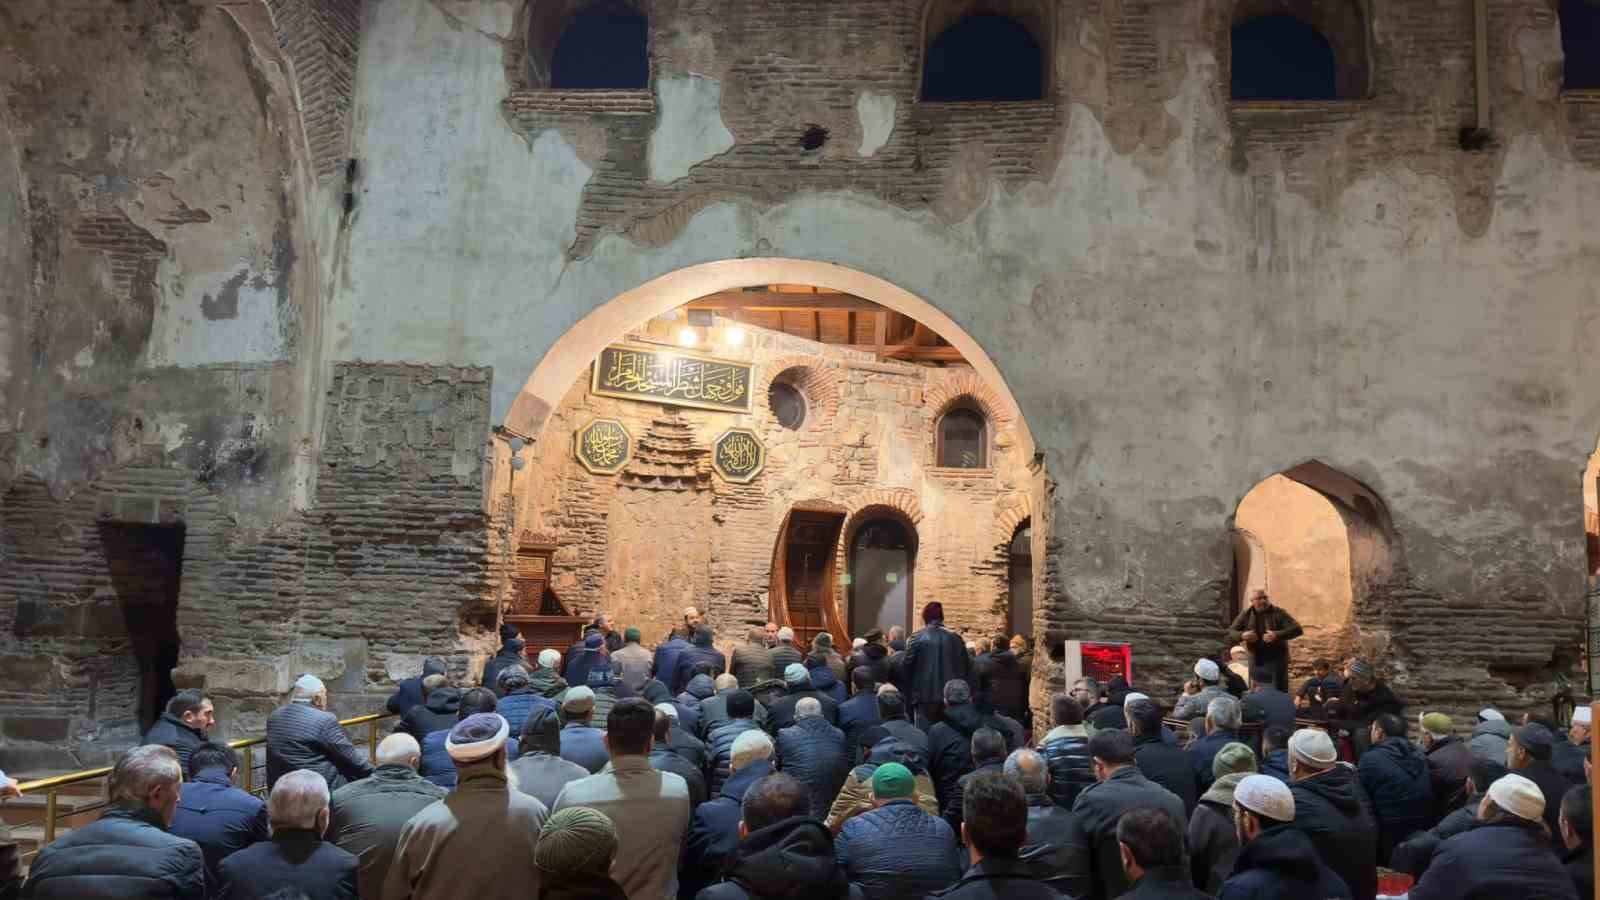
{"x": 1274, "y": 618}
{"x": 470, "y": 845}
{"x": 855, "y": 798}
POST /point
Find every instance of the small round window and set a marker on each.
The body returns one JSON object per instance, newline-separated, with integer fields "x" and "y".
{"x": 788, "y": 405}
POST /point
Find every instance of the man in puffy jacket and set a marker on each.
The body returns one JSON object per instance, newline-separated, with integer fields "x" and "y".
{"x": 1489, "y": 735}
{"x": 304, "y": 735}
{"x": 897, "y": 849}
{"x": 935, "y": 656}
{"x": 855, "y": 795}
{"x": 184, "y": 725}
{"x": 1119, "y": 787}
{"x": 1449, "y": 763}
{"x": 580, "y": 742}
{"x": 1276, "y": 861}
{"x": 126, "y": 854}
{"x": 1161, "y": 762}
{"x": 784, "y": 652}
{"x": 212, "y": 812}
{"x": 860, "y": 712}
{"x": 783, "y": 853}
{"x": 408, "y": 692}
{"x": 714, "y": 827}
{"x": 714, "y": 709}
{"x": 725, "y": 734}
{"x": 437, "y": 766}
{"x": 586, "y": 656}
{"x": 1507, "y": 856}
{"x": 824, "y": 681}
{"x": 1331, "y": 808}
{"x": 545, "y": 679}
{"x": 1394, "y": 774}
{"x": 701, "y": 687}
{"x": 509, "y": 654}
{"x": 813, "y": 751}
{"x": 699, "y": 653}
{"x": 1003, "y": 681}
{"x": 436, "y": 712}
{"x": 950, "y": 745}
{"x": 517, "y": 698}
{"x": 1066, "y": 750}
{"x": 780, "y": 713}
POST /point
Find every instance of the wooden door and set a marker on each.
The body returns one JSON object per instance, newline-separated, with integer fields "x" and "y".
{"x": 803, "y": 574}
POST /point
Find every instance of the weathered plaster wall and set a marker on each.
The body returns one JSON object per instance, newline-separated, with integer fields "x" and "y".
{"x": 642, "y": 547}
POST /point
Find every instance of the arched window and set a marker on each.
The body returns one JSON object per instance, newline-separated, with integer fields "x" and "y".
{"x": 983, "y": 57}
{"x": 787, "y": 404}
{"x": 1279, "y": 57}
{"x": 603, "y": 47}
{"x": 1580, "y": 41}
{"x": 963, "y": 439}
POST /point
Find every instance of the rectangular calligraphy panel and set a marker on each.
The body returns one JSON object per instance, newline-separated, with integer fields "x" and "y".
{"x": 673, "y": 377}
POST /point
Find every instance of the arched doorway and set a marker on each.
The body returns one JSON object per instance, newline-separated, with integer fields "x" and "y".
{"x": 882, "y": 565}
{"x": 1019, "y": 582}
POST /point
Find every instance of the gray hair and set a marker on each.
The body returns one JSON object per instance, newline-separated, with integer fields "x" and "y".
{"x": 1028, "y": 767}
{"x": 297, "y": 799}
{"x": 752, "y": 746}
{"x": 957, "y": 692}
{"x": 786, "y": 634}
{"x": 807, "y": 707}
{"x": 1223, "y": 713}
{"x": 726, "y": 682}
{"x": 305, "y": 693}
{"x": 140, "y": 771}
{"x": 398, "y": 749}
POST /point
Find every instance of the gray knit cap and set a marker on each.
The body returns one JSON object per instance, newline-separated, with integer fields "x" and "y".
{"x": 576, "y": 840}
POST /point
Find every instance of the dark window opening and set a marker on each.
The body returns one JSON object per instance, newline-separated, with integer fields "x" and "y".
{"x": 788, "y": 405}
{"x": 603, "y": 48}
{"x": 1282, "y": 58}
{"x": 1580, "y": 41}
{"x": 1019, "y": 575}
{"x": 882, "y": 558}
{"x": 963, "y": 440}
{"x": 983, "y": 57}
{"x": 146, "y": 565}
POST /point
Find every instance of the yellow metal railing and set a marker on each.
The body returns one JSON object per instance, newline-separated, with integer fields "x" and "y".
{"x": 53, "y": 786}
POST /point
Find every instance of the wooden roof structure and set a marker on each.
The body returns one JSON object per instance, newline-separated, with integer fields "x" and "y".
{"x": 832, "y": 318}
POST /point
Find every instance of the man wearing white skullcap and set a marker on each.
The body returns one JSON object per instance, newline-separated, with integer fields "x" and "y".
{"x": 1332, "y": 810}
{"x": 546, "y": 679}
{"x": 1275, "y": 858}
{"x": 481, "y": 838}
{"x": 1207, "y": 687}
{"x": 304, "y": 735}
{"x": 1569, "y": 755}
{"x": 1507, "y": 855}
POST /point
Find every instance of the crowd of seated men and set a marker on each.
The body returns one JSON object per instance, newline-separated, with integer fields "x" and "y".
{"x": 616, "y": 771}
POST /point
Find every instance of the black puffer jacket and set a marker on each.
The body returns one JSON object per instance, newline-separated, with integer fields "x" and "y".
{"x": 510, "y": 655}
{"x": 934, "y": 656}
{"x": 1167, "y": 766}
{"x": 125, "y": 855}
{"x": 699, "y": 653}
{"x": 792, "y": 860}
{"x": 300, "y": 736}
{"x": 872, "y": 657}
{"x": 1003, "y": 684}
{"x": 1395, "y": 775}
{"x": 1071, "y": 768}
{"x": 437, "y": 713}
{"x": 814, "y": 753}
{"x": 950, "y": 753}
{"x": 719, "y": 745}
{"x": 171, "y": 731}
{"x": 1333, "y": 811}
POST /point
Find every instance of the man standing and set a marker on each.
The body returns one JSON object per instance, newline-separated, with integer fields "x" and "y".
{"x": 935, "y": 656}
{"x": 127, "y": 852}
{"x": 213, "y": 813}
{"x": 1275, "y": 860}
{"x": 1120, "y": 787}
{"x": 184, "y": 725}
{"x": 896, "y": 849}
{"x": 304, "y": 735}
{"x": 632, "y": 662}
{"x": 994, "y": 828}
{"x": 480, "y": 839}
{"x": 784, "y": 652}
{"x": 510, "y": 654}
{"x": 650, "y": 808}
{"x": 1266, "y": 630}
{"x": 297, "y": 857}
{"x": 367, "y": 815}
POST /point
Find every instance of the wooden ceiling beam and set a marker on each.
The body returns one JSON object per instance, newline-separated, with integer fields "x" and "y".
{"x": 782, "y": 302}
{"x": 918, "y": 353}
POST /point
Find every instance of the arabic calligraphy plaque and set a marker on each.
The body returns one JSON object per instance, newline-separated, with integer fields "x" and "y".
{"x": 673, "y": 377}
{"x": 603, "y": 446}
{"x": 738, "y": 455}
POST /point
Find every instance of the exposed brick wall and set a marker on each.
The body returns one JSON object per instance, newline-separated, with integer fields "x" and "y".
{"x": 321, "y": 38}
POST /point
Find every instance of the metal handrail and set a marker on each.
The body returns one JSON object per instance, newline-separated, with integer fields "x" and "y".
{"x": 52, "y": 786}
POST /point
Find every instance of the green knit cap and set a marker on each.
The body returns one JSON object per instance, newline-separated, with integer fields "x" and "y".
{"x": 1233, "y": 757}
{"x": 892, "y": 780}
{"x": 576, "y": 839}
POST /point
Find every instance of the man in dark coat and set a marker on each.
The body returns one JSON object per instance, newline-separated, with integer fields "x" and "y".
{"x": 935, "y": 656}
{"x": 1507, "y": 856}
{"x": 1568, "y": 756}
{"x": 662, "y": 759}
{"x": 509, "y": 654}
{"x": 1120, "y": 787}
{"x": 780, "y": 713}
{"x": 994, "y": 829}
{"x": 892, "y": 713}
{"x": 1413, "y": 854}
{"x": 1266, "y": 630}
{"x": 1315, "y": 692}
{"x": 1003, "y": 681}
{"x": 1056, "y": 849}
{"x": 783, "y": 853}
{"x": 1276, "y": 861}
{"x": 896, "y": 849}
{"x": 1394, "y": 774}
{"x": 213, "y": 813}
{"x": 1331, "y": 808}
{"x": 581, "y": 743}
{"x": 365, "y": 817}
{"x": 714, "y": 827}
{"x": 1275, "y": 753}
{"x": 1364, "y": 699}
{"x": 1213, "y": 842}
{"x": 701, "y": 687}
{"x": 1577, "y": 833}
{"x": 127, "y": 853}
{"x": 723, "y": 735}
{"x": 714, "y": 709}
{"x": 437, "y": 711}
{"x": 437, "y": 766}
{"x": 1152, "y": 856}
{"x": 665, "y": 662}
{"x": 297, "y": 857}
{"x": 988, "y": 748}
{"x": 784, "y": 652}
{"x": 950, "y": 746}
{"x": 752, "y": 660}
{"x": 517, "y": 698}
{"x": 1159, "y": 761}
{"x": 1066, "y": 750}
{"x": 860, "y": 712}
{"x": 701, "y": 653}
{"x": 824, "y": 681}
{"x": 544, "y": 679}
{"x": 1265, "y": 702}
{"x": 873, "y": 657}
{"x": 1222, "y": 729}
{"x": 184, "y": 725}
{"x": 584, "y": 657}
{"x": 304, "y": 735}
{"x": 1528, "y": 754}
{"x": 408, "y": 692}
{"x": 539, "y": 769}
{"x": 1449, "y": 763}
{"x": 813, "y": 751}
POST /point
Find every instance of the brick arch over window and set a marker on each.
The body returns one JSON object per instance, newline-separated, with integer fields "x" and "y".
{"x": 1036, "y": 16}
{"x": 1345, "y": 24}
{"x": 967, "y": 389}
{"x": 546, "y": 22}
{"x": 901, "y": 505}
{"x": 819, "y": 383}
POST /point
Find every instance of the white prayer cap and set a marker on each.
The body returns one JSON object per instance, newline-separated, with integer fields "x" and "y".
{"x": 1580, "y": 716}
{"x": 1207, "y": 670}
{"x": 668, "y": 710}
{"x": 1266, "y": 796}
{"x": 310, "y": 684}
{"x": 1132, "y": 696}
{"x": 549, "y": 659}
{"x": 1313, "y": 747}
{"x": 1490, "y": 714}
{"x": 1519, "y": 797}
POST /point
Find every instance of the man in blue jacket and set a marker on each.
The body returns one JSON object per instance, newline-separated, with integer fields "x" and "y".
{"x": 1276, "y": 862}
{"x": 1506, "y": 856}
{"x": 714, "y": 827}
{"x": 1395, "y": 775}
{"x": 297, "y": 857}
{"x": 213, "y": 813}
{"x": 897, "y": 849}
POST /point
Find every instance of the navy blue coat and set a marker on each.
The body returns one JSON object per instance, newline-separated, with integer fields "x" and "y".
{"x": 856, "y": 715}
{"x": 408, "y": 692}
{"x": 437, "y": 766}
{"x": 123, "y": 855}
{"x": 171, "y": 731}
{"x": 1277, "y": 765}
{"x": 1495, "y": 861}
{"x": 666, "y": 660}
{"x": 1281, "y": 864}
{"x": 582, "y": 660}
{"x": 583, "y": 745}
{"x": 1395, "y": 775}
{"x": 813, "y": 751}
{"x": 1203, "y": 751}
{"x": 510, "y": 654}
{"x": 294, "y": 858}
{"x": 719, "y": 743}
{"x": 714, "y": 831}
{"x": 898, "y": 850}
{"x": 824, "y": 681}
{"x": 515, "y": 707}
{"x": 219, "y": 817}
{"x": 695, "y": 655}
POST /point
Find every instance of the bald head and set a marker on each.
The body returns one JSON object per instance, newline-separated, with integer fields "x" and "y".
{"x": 1028, "y": 767}
{"x": 399, "y": 749}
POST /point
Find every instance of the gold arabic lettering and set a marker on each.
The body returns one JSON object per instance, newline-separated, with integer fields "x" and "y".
{"x": 603, "y": 446}
{"x": 740, "y": 453}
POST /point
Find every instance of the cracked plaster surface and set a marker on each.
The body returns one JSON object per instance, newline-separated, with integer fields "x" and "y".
{"x": 689, "y": 129}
